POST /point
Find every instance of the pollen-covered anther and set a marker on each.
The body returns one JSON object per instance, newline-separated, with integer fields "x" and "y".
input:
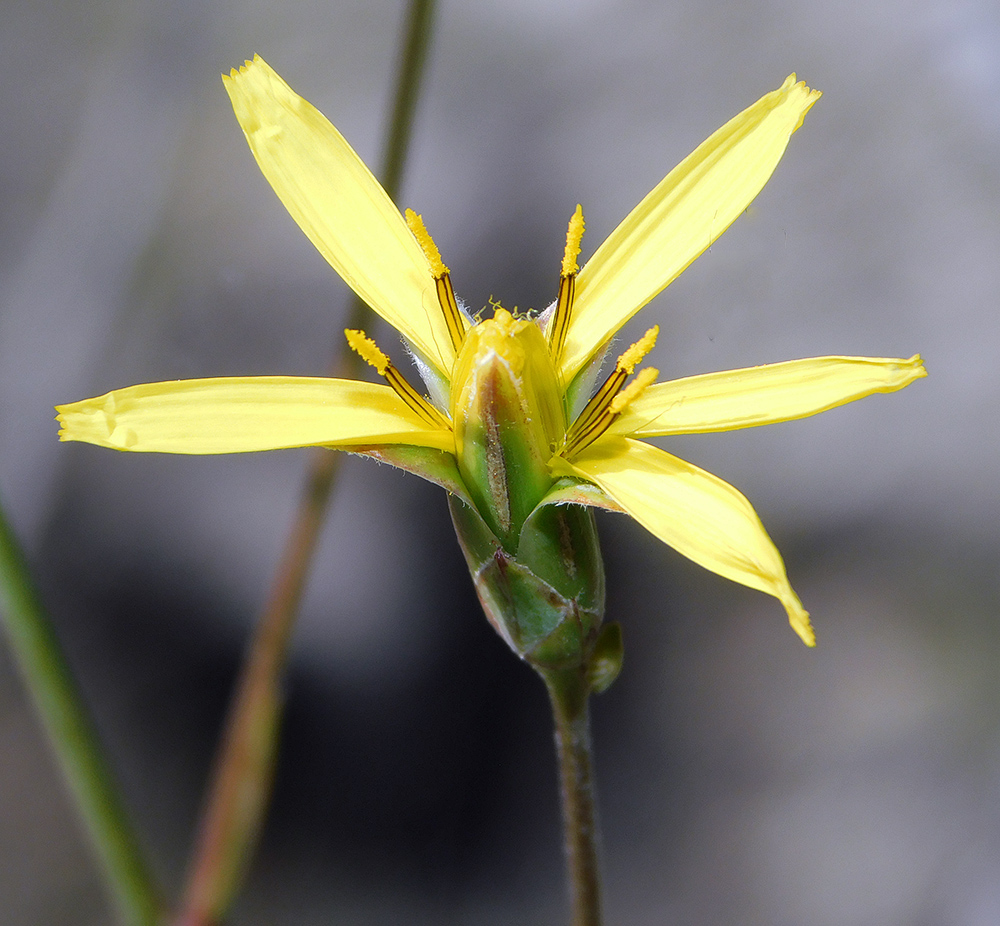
{"x": 442, "y": 279}
{"x": 574, "y": 235}
{"x": 601, "y": 400}
{"x": 611, "y": 399}
{"x": 604, "y": 408}
{"x": 628, "y": 361}
{"x": 370, "y": 353}
{"x": 643, "y": 379}
{"x": 416, "y": 225}
{"x": 559, "y": 326}
{"x": 363, "y": 345}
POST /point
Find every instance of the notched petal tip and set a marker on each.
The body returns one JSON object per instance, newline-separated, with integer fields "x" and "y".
{"x": 238, "y": 72}
{"x": 810, "y": 96}
{"x": 904, "y": 372}
{"x": 63, "y": 435}
{"x": 340, "y": 206}
{"x": 798, "y": 617}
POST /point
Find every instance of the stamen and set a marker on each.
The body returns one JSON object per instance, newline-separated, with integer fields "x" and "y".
{"x": 611, "y": 399}
{"x": 442, "y": 279}
{"x": 637, "y": 351}
{"x": 643, "y": 379}
{"x": 452, "y": 314}
{"x": 578, "y": 438}
{"x": 574, "y": 235}
{"x": 416, "y": 225}
{"x": 361, "y": 344}
{"x": 559, "y": 325}
{"x": 602, "y": 399}
{"x": 370, "y": 353}
{"x": 598, "y": 403}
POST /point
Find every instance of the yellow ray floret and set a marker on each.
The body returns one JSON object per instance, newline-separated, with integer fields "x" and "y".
{"x": 694, "y": 204}
{"x": 342, "y": 208}
{"x": 698, "y": 514}
{"x": 762, "y": 395}
{"x": 243, "y": 414}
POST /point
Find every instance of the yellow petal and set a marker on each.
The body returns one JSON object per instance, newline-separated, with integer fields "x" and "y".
{"x": 341, "y": 207}
{"x": 762, "y": 395}
{"x": 694, "y": 204}
{"x": 695, "y": 512}
{"x": 239, "y": 414}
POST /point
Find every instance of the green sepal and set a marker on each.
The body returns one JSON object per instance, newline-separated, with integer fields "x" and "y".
{"x": 431, "y": 464}
{"x": 546, "y": 600}
{"x": 559, "y": 544}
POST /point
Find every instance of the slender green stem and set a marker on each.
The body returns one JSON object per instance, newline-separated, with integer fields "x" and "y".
{"x": 244, "y": 766}
{"x": 417, "y": 40}
{"x": 73, "y": 737}
{"x": 569, "y": 693}
{"x": 241, "y": 782}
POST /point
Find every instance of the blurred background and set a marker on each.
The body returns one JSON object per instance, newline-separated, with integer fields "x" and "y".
{"x": 743, "y": 778}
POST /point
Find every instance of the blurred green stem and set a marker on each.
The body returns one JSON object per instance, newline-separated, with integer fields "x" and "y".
{"x": 241, "y": 782}
{"x": 569, "y": 693}
{"x": 74, "y": 739}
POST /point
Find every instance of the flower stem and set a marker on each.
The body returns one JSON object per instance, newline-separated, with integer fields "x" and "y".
{"x": 417, "y": 40}
{"x": 73, "y": 737}
{"x": 240, "y": 787}
{"x": 569, "y": 693}
{"x": 244, "y": 766}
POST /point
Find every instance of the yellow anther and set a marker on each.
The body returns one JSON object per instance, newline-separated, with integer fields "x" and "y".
{"x": 370, "y": 353}
{"x": 416, "y": 225}
{"x": 644, "y": 378}
{"x": 366, "y": 347}
{"x": 559, "y": 323}
{"x": 442, "y": 279}
{"x": 573, "y": 236}
{"x": 610, "y": 400}
{"x": 627, "y": 361}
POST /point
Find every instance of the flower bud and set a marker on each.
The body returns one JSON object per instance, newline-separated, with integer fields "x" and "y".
{"x": 546, "y": 599}
{"x": 508, "y": 417}
{"x": 537, "y": 567}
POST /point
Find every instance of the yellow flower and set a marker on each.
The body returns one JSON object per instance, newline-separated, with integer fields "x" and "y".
{"x": 573, "y": 445}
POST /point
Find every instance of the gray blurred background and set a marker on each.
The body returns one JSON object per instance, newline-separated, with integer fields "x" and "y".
{"x": 744, "y": 779}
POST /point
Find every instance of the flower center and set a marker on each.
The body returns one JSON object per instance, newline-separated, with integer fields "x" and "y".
{"x": 508, "y": 418}
{"x": 507, "y": 403}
